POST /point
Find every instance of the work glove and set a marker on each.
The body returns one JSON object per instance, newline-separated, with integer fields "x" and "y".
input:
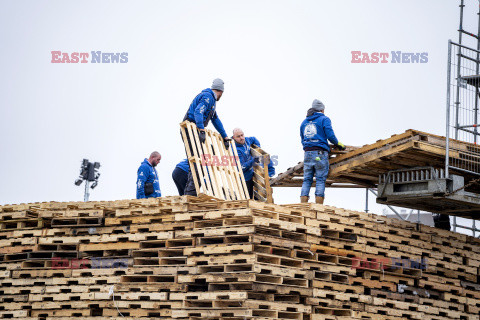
{"x": 341, "y": 146}
{"x": 256, "y": 159}
{"x": 226, "y": 142}
{"x": 201, "y": 136}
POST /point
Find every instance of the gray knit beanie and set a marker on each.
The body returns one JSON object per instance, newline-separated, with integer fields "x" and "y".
{"x": 218, "y": 84}
{"x": 317, "y": 106}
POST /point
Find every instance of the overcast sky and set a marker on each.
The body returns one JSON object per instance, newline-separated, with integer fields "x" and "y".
{"x": 274, "y": 56}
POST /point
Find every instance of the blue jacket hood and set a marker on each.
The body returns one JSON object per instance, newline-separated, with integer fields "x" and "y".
{"x": 210, "y": 91}
{"x": 316, "y": 115}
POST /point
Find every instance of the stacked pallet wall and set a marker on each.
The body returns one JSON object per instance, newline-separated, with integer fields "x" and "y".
{"x": 193, "y": 258}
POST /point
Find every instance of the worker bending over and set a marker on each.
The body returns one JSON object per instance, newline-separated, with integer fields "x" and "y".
{"x": 180, "y": 176}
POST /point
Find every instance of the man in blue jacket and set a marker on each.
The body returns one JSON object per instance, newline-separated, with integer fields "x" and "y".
{"x": 244, "y": 145}
{"x": 315, "y": 130}
{"x": 201, "y": 111}
{"x": 180, "y": 176}
{"x": 148, "y": 185}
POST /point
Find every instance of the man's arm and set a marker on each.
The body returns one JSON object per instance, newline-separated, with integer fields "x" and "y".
{"x": 142, "y": 175}
{"x": 248, "y": 165}
{"x": 301, "y": 134}
{"x": 218, "y": 125}
{"x": 327, "y": 126}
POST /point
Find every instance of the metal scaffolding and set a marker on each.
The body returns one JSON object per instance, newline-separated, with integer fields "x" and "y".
{"x": 463, "y": 100}
{"x": 462, "y": 118}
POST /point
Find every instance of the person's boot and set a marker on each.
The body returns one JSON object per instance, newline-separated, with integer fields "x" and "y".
{"x": 303, "y": 199}
{"x": 319, "y": 200}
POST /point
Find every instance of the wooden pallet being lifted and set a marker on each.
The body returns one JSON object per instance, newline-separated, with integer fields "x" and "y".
{"x": 261, "y": 181}
{"x": 216, "y": 171}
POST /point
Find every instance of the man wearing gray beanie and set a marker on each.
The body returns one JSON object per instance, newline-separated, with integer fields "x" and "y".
{"x": 315, "y": 131}
{"x": 201, "y": 111}
{"x": 218, "y": 85}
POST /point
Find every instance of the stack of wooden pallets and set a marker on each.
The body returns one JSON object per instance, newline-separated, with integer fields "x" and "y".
{"x": 200, "y": 258}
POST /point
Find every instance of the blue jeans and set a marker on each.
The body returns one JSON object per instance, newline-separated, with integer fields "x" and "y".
{"x": 312, "y": 166}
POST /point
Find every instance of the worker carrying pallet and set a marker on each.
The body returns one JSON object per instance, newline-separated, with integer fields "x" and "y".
{"x": 201, "y": 111}
{"x": 247, "y": 160}
{"x": 315, "y": 131}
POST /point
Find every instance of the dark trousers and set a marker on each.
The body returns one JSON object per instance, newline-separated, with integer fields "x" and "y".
{"x": 250, "y": 187}
{"x": 442, "y": 221}
{"x": 180, "y": 178}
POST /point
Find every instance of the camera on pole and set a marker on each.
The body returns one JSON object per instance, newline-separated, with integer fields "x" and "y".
{"x": 88, "y": 173}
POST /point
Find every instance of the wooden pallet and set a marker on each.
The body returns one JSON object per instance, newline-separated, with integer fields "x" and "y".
{"x": 78, "y": 221}
{"x": 19, "y": 224}
{"x": 211, "y": 176}
{"x": 262, "y": 190}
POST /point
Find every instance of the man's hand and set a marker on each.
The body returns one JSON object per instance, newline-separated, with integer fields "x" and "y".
{"x": 226, "y": 142}
{"x": 341, "y": 146}
{"x": 201, "y": 136}
{"x": 256, "y": 159}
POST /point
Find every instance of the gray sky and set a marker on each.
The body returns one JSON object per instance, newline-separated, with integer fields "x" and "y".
{"x": 274, "y": 56}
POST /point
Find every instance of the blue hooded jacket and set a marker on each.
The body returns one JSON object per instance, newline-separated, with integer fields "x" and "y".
{"x": 246, "y": 158}
{"x": 183, "y": 165}
{"x": 316, "y": 130}
{"x": 202, "y": 110}
{"x": 147, "y": 173}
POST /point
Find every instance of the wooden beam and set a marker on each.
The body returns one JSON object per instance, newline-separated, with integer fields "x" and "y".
{"x": 413, "y": 148}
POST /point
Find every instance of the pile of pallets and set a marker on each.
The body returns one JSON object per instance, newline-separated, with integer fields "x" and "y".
{"x": 194, "y": 258}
